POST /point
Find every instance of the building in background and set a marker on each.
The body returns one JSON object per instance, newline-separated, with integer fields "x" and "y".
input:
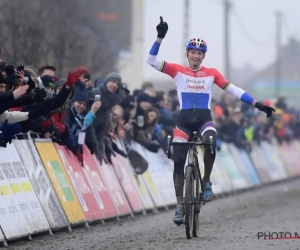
{"x": 130, "y": 63}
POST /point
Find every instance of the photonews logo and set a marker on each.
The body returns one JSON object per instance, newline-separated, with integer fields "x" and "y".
{"x": 278, "y": 235}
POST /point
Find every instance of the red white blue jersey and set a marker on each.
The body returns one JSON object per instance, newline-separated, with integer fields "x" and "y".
{"x": 194, "y": 88}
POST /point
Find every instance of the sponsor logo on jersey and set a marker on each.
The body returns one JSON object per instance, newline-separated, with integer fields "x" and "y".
{"x": 195, "y": 81}
{"x": 196, "y": 84}
{"x": 196, "y": 87}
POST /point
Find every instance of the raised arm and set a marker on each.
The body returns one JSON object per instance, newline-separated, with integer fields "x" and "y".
{"x": 158, "y": 64}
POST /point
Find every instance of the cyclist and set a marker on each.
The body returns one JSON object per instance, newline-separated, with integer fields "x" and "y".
{"x": 194, "y": 89}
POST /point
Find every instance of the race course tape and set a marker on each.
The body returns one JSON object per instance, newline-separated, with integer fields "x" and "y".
{"x": 44, "y": 187}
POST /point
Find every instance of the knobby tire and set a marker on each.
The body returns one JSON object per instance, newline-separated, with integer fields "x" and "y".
{"x": 197, "y": 207}
{"x": 188, "y": 203}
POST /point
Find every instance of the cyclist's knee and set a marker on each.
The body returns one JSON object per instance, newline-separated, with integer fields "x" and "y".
{"x": 207, "y": 134}
{"x": 179, "y": 151}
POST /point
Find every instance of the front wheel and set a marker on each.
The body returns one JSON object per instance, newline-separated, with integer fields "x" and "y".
{"x": 189, "y": 200}
{"x": 198, "y": 204}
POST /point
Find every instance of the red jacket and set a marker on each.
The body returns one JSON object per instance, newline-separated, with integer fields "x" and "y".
{"x": 59, "y": 121}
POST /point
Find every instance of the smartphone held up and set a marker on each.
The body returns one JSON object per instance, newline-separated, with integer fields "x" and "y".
{"x": 97, "y": 98}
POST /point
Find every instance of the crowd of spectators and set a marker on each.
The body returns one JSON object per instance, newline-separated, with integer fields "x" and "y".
{"x": 78, "y": 110}
{"x": 241, "y": 124}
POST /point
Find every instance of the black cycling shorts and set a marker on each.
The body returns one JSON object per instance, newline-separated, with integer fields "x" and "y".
{"x": 191, "y": 120}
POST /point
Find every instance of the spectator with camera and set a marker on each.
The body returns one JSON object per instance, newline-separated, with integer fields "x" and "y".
{"x": 110, "y": 96}
{"x": 79, "y": 122}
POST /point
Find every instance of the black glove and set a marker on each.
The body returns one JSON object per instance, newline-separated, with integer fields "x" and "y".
{"x": 162, "y": 28}
{"x": 268, "y": 110}
{"x": 38, "y": 95}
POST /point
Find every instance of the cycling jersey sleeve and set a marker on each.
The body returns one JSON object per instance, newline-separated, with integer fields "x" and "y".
{"x": 231, "y": 88}
{"x": 161, "y": 65}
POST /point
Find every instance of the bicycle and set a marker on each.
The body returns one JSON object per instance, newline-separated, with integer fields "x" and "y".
{"x": 192, "y": 197}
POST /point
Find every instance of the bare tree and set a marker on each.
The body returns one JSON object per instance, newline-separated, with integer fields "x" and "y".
{"x": 39, "y": 32}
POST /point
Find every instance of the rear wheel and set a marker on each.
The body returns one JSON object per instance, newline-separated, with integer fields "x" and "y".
{"x": 189, "y": 201}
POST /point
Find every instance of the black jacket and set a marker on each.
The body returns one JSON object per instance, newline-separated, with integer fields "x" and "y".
{"x": 38, "y": 110}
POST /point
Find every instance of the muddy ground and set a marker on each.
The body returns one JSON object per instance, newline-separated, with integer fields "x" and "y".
{"x": 230, "y": 223}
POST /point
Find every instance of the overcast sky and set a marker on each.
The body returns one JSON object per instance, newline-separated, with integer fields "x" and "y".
{"x": 252, "y": 33}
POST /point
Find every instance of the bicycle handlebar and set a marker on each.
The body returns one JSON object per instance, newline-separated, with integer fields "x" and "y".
{"x": 210, "y": 143}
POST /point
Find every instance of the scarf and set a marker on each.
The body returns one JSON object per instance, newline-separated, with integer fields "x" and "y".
{"x": 76, "y": 122}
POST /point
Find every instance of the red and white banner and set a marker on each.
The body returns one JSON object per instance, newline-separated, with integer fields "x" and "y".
{"x": 80, "y": 184}
{"x": 127, "y": 183}
{"x": 114, "y": 187}
{"x": 99, "y": 188}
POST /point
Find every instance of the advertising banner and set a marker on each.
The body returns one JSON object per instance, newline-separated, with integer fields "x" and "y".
{"x": 291, "y": 158}
{"x": 114, "y": 187}
{"x": 23, "y": 190}
{"x": 60, "y": 181}
{"x": 127, "y": 183}
{"x": 242, "y": 159}
{"x": 260, "y": 163}
{"x": 80, "y": 184}
{"x": 297, "y": 145}
{"x": 12, "y": 219}
{"x": 220, "y": 182}
{"x": 139, "y": 183}
{"x": 101, "y": 192}
{"x": 41, "y": 183}
{"x": 20, "y": 184}
{"x": 163, "y": 161}
{"x": 225, "y": 161}
{"x": 158, "y": 178}
{"x": 276, "y": 165}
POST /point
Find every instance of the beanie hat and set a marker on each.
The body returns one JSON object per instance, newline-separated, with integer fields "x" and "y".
{"x": 128, "y": 102}
{"x": 48, "y": 82}
{"x": 143, "y": 97}
{"x": 81, "y": 95}
{"x": 136, "y": 92}
{"x": 113, "y": 76}
{"x": 82, "y": 70}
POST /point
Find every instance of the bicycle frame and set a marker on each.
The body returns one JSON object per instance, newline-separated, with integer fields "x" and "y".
{"x": 192, "y": 152}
